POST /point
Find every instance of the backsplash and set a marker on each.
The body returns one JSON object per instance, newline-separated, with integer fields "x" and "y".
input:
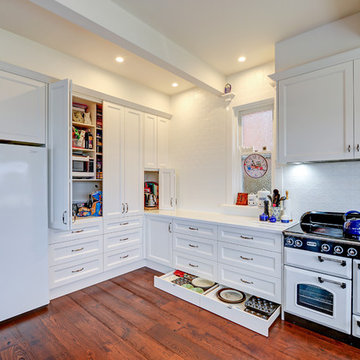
{"x": 323, "y": 186}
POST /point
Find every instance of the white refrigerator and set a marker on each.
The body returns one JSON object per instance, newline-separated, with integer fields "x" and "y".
{"x": 23, "y": 229}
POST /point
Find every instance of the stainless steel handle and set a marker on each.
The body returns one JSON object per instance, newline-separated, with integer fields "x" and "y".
{"x": 124, "y": 239}
{"x": 79, "y": 249}
{"x": 127, "y": 207}
{"x": 349, "y": 148}
{"x": 169, "y": 227}
{"x": 341, "y": 262}
{"x": 77, "y": 231}
{"x": 171, "y": 202}
{"x": 246, "y": 237}
{"x": 357, "y": 147}
{"x": 176, "y": 201}
{"x": 124, "y": 257}
{"x": 193, "y": 246}
{"x": 245, "y": 258}
{"x": 63, "y": 217}
{"x": 322, "y": 280}
{"x": 246, "y": 282}
{"x": 193, "y": 228}
{"x": 192, "y": 265}
{"x": 123, "y": 208}
{"x": 79, "y": 270}
{"x": 125, "y": 223}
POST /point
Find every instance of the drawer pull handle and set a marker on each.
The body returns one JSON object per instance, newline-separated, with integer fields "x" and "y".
{"x": 193, "y": 228}
{"x": 246, "y": 282}
{"x": 124, "y": 239}
{"x": 79, "y": 249}
{"x": 79, "y": 270}
{"x": 192, "y": 265}
{"x": 125, "y": 223}
{"x": 77, "y": 231}
{"x": 341, "y": 262}
{"x": 245, "y": 258}
{"x": 246, "y": 237}
{"x": 124, "y": 257}
{"x": 193, "y": 246}
{"x": 322, "y": 280}
{"x": 229, "y": 307}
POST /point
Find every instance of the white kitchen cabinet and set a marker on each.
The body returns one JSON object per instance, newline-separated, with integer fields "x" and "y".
{"x": 23, "y": 109}
{"x": 357, "y": 108}
{"x": 159, "y": 239}
{"x": 156, "y": 142}
{"x": 316, "y": 115}
{"x": 167, "y": 189}
{"x": 123, "y": 167}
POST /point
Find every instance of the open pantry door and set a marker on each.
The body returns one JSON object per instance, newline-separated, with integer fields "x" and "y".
{"x": 60, "y": 212}
{"x": 167, "y": 189}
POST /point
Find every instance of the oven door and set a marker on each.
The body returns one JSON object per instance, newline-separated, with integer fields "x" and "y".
{"x": 320, "y": 298}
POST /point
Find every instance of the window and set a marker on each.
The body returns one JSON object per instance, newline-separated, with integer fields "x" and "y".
{"x": 255, "y": 144}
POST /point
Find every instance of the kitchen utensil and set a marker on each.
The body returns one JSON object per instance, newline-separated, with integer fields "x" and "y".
{"x": 203, "y": 283}
{"x": 352, "y": 226}
{"x": 230, "y": 296}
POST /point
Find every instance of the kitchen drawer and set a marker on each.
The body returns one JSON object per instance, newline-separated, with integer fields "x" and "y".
{"x": 252, "y": 283}
{"x": 206, "y": 230}
{"x": 254, "y": 239}
{"x": 122, "y": 224}
{"x": 236, "y": 312}
{"x": 121, "y": 257}
{"x": 79, "y": 230}
{"x": 195, "y": 265}
{"x": 63, "y": 252}
{"x": 123, "y": 239}
{"x": 328, "y": 264}
{"x": 356, "y": 325}
{"x": 196, "y": 246}
{"x": 259, "y": 261}
{"x": 75, "y": 270}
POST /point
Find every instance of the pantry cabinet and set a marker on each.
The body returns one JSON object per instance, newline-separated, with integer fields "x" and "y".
{"x": 316, "y": 116}
{"x": 167, "y": 189}
{"x": 156, "y": 138}
{"x": 357, "y": 108}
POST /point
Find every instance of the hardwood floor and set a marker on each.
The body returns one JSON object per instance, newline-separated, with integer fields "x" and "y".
{"x": 127, "y": 318}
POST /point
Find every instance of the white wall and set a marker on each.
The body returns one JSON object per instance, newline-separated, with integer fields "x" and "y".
{"x": 31, "y": 55}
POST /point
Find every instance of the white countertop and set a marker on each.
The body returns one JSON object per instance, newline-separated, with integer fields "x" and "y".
{"x": 220, "y": 218}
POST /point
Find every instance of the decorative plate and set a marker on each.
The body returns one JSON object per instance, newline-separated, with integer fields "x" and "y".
{"x": 230, "y": 296}
{"x": 256, "y": 166}
{"x": 202, "y": 283}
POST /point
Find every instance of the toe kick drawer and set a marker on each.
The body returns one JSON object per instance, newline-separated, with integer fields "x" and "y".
{"x": 256, "y": 284}
{"x": 195, "y": 265}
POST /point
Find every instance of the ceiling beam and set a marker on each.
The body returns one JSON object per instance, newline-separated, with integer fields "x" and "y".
{"x": 110, "y": 21}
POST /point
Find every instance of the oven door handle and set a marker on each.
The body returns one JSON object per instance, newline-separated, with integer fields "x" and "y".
{"x": 341, "y": 262}
{"x": 322, "y": 280}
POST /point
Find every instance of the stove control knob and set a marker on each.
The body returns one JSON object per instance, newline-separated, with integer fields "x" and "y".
{"x": 352, "y": 252}
{"x": 298, "y": 243}
{"x": 290, "y": 241}
{"x": 338, "y": 249}
{"x": 325, "y": 247}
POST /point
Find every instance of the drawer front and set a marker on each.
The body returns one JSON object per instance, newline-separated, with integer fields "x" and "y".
{"x": 356, "y": 325}
{"x": 60, "y": 253}
{"x": 328, "y": 264}
{"x": 208, "y": 231}
{"x": 250, "y": 282}
{"x": 75, "y": 270}
{"x": 259, "y": 261}
{"x": 118, "y": 258}
{"x": 122, "y": 224}
{"x": 195, "y": 265}
{"x": 123, "y": 239}
{"x": 195, "y": 246}
{"x": 253, "y": 239}
{"x": 79, "y": 231}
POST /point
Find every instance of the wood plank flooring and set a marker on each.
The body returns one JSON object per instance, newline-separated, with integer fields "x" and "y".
{"x": 127, "y": 318}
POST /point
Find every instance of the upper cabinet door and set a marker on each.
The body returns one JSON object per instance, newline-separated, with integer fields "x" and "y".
{"x": 113, "y": 157}
{"x": 316, "y": 115}
{"x": 163, "y": 143}
{"x": 133, "y": 162}
{"x": 150, "y": 141}
{"x": 167, "y": 189}
{"x": 357, "y": 108}
{"x": 23, "y": 109}
{"x": 59, "y": 155}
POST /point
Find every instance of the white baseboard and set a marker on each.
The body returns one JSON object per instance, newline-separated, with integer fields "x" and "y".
{"x": 158, "y": 267}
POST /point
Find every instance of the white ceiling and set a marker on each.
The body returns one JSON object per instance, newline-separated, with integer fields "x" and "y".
{"x": 215, "y": 31}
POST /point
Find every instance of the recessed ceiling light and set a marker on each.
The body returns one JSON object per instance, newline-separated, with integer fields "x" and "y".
{"x": 241, "y": 59}
{"x": 174, "y": 84}
{"x": 119, "y": 59}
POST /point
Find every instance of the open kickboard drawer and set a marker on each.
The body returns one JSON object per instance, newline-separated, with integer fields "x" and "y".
{"x": 209, "y": 301}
